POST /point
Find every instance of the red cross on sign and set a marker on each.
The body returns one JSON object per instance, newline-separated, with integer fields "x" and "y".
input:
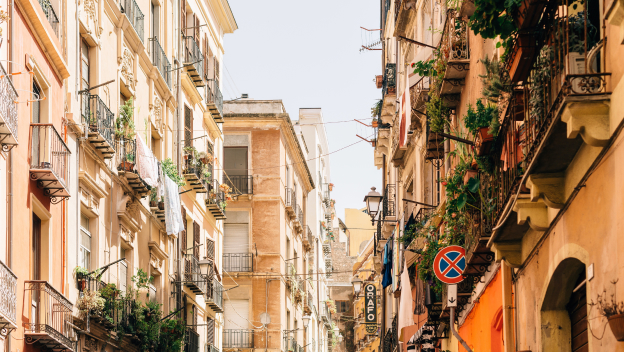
{"x": 449, "y": 264}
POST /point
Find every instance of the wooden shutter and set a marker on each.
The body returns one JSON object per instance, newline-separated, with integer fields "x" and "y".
{"x": 216, "y": 71}
{"x": 205, "y": 57}
{"x": 210, "y": 334}
{"x": 194, "y": 318}
{"x": 196, "y": 29}
{"x": 183, "y": 15}
{"x": 196, "y": 239}
{"x": 577, "y": 310}
{"x": 186, "y": 265}
{"x": 188, "y": 127}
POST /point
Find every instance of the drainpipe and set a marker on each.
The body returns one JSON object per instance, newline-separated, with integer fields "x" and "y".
{"x": 455, "y": 333}
{"x": 266, "y": 309}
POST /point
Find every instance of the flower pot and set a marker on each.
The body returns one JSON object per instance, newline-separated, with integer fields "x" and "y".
{"x": 484, "y": 141}
{"x": 83, "y": 284}
{"x": 470, "y": 174}
{"x": 379, "y": 81}
{"x": 529, "y": 13}
{"x": 616, "y": 323}
{"x": 521, "y": 57}
{"x": 161, "y": 205}
{"x": 126, "y": 166}
{"x": 153, "y": 204}
{"x": 375, "y": 123}
{"x": 46, "y": 165}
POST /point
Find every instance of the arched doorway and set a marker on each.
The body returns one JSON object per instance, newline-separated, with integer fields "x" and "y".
{"x": 564, "y": 309}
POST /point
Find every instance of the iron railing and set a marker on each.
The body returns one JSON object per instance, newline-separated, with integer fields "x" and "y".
{"x": 8, "y": 293}
{"x": 217, "y": 196}
{"x": 88, "y": 283}
{"x": 389, "y": 80}
{"x": 214, "y": 96}
{"x": 291, "y": 197}
{"x": 49, "y": 313}
{"x": 98, "y": 117}
{"x": 193, "y": 56}
{"x": 326, "y": 314}
{"x": 211, "y": 348}
{"x": 454, "y": 41}
{"x": 160, "y": 60}
{"x": 240, "y": 184}
{"x": 48, "y": 151}
{"x": 389, "y": 201}
{"x": 50, "y": 14}
{"x": 8, "y": 105}
{"x": 126, "y": 154}
{"x": 192, "y": 341}
{"x": 238, "y": 262}
{"x": 196, "y": 172}
{"x": 238, "y": 338}
{"x": 135, "y": 16}
{"x": 214, "y": 293}
{"x": 192, "y": 274}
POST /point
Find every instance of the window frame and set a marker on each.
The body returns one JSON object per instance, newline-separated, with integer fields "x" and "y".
{"x": 81, "y": 248}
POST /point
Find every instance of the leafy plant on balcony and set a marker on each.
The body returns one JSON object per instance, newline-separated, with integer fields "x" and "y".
{"x": 483, "y": 116}
{"x": 438, "y": 113}
{"x": 540, "y": 78}
{"x": 496, "y": 80}
{"x": 492, "y": 18}
{"x": 4, "y": 17}
{"x": 376, "y": 109}
{"x": 171, "y": 170}
{"x": 91, "y": 302}
{"x": 424, "y": 68}
{"x": 576, "y": 33}
{"x": 124, "y": 125}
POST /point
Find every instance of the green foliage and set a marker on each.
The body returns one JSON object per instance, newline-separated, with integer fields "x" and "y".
{"x": 496, "y": 80}
{"x": 124, "y": 125}
{"x": 492, "y": 18}
{"x": 171, "y": 335}
{"x": 483, "y": 116}
{"x": 376, "y": 109}
{"x": 424, "y": 68}
{"x": 438, "y": 114}
{"x": 576, "y": 33}
{"x": 171, "y": 170}
{"x": 153, "y": 196}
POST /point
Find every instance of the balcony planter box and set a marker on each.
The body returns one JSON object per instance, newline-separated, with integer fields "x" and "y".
{"x": 161, "y": 205}
{"x": 529, "y": 13}
{"x": 520, "y": 58}
{"x": 375, "y": 123}
{"x": 379, "y": 81}
{"x": 126, "y": 166}
{"x": 153, "y": 204}
{"x": 484, "y": 141}
{"x": 616, "y": 322}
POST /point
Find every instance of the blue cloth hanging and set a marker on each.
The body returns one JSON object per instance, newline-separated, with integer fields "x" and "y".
{"x": 387, "y": 261}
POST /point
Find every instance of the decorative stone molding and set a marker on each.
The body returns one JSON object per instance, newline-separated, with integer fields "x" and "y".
{"x": 126, "y": 235}
{"x": 590, "y": 119}
{"x": 511, "y": 252}
{"x": 128, "y": 214}
{"x": 158, "y": 257}
{"x": 127, "y": 66}
{"x": 549, "y": 188}
{"x": 156, "y": 110}
{"x": 535, "y": 214}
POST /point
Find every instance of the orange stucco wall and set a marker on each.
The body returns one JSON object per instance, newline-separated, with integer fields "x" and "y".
{"x": 482, "y": 329}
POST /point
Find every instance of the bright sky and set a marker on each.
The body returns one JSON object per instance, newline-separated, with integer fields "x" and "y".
{"x": 306, "y": 53}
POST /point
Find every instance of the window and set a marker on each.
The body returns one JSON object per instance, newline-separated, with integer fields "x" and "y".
{"x": 84, "y": 65}
{"x": 287, "y": 176}
{"x": 155, "y": 19}
{"x": 123, "y": 272}
{"x": 36, "y": 247}
{"x": 152, "y": 294}
{"x": 342, "y": 306}
{"x": 188, "y": 126}
{"x": 235, "y": 161}
{"x": 36, "y": 104}
{"x": 84, "y": 259}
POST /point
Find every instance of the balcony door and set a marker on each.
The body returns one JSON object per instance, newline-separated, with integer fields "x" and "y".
{"x": 236, "y": 170}
{"x": 36, "y": 266}
{"x": 236, "y": 312}
{"x": 236, "y": 247}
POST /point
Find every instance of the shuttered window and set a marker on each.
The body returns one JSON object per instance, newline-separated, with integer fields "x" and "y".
{"x": 236, "y": 238}
{"x": 210, "y": 334}
{"x": 196, "y": 239}
{"x": 236, "y": 312}
{"x": 210, "y": 249}
{"x": 183, "y": 14}
{"x": 188, "y": 126}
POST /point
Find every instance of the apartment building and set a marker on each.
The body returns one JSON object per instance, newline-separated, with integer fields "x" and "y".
{"x": 102, "y": 102}
{"x": 265, "y": 250}
{"x": 519, "y": 197}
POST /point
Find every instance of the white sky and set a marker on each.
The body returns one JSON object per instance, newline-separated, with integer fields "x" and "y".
{"x": 307, "y": 54}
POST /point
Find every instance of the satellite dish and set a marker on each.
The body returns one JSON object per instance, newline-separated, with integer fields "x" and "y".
{"x": 265, "y": 318}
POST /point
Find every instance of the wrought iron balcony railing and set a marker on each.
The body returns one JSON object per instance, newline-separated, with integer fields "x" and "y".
{"x": 216, "y": 202}
{"x": 100, "y": 122}
{"x": 240, "y": 184}
{"x": 193, "y": 278}
{"x": 192, "y": 341}
{"x": 8, "y": 297}
{"x": 389, "y": 80}
{"x": 291, "y": 200}
{"x": 214, "y": 295}
{"x": 238, "y": 262}
{"x": 126, "y": 161}
{"x": 50, "y": 316}
{"x": 238, "y": 338}
{"x": 195, "y": 177}
{"x": 389, "y": 201}
{"x": 49, "y": 161}
{"x": 160, "y": 60}
{"x": 326, "y": 315}
{"x": 135, "y": 16}
{"x": 194, "y": 60}
{"x": 51, "y": 16}
{"x": 8, "y": 111}
{"x": 211, "y": 348}
{"x": 214, "y": 100}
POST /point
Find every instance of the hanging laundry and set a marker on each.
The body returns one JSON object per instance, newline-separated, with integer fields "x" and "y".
{"x": 173, "y": 214}
{"x": 146, "y": 163}
{"x": 406, "y": 316}
{"x": 387, "y": 262}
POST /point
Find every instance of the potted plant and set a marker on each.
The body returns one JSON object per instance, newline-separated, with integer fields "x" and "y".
{"x": 375, "y": 123}
{"x": 81, "y": 277}
{"x": 153, "y": 198}
{"x": 614, "y": 312}
{"x": 331, "y": 187}
{"x": 91, "y": 302}
{"x": 171, "y": 171}
{"x": 161, "y": 204}
{"x": 124, "y": 125}
{"x": 128, "y": 164}
{"x": 483, "y": 124}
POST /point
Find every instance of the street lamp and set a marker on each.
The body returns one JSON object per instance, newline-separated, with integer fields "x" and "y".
{"x": 204, "y": 266}
{"x": 357, "y": 285}
{"x": 373, "y": 199}
{"x": 306, "y": 320}
{"x": 339, "y": 337}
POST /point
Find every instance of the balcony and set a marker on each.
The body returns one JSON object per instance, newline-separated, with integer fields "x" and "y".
{"x": 388, "y": 93}
{"x": 238, "y": 262}
{"x": 326, "y": 315}
{"x": 100, "y": 122}
{"x": 211, "y": 348}
{"x": 51, "y": 16}
{"x": 195, "y": 179}
{"x": 135, "y": 16}
{"x": 478, "y": 255}
{"x": 560, "y": 116}
{"x": 50, "y": 317}
{"x": 214, "y": 295}
{"x": 238, "y": 338}
{"x": 308, "y": 239}
{"x": 193, "y": 278}
{"x": 160, "y": 60}
{"x": 191, "y": 341}
{"x": 8, "y": 298}
{"x": 193, "y": 61}
{"x": 297, "y": 221}
{"x": 434, "y": 151}
{"x": 216, "y": 203}
{"x": 240, "y": 184}
{"x": 126, "y": 157}
{"x": 389, "y": 209}
{"x": 455, "y": 48}
{"x": 291, "y": 201}
{"x": 291, "y": 344}
{"x": 8, "y": 112}
{"x": 214, "y": 100}
{"x": 49, "y": 161}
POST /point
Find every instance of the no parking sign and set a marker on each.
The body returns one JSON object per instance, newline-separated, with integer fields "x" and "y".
{"x": 449, "y": 264}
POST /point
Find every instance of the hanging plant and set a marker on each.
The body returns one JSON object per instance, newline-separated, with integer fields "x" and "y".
{"x": 124, "y": 125}
{"x": 171, "y": 170}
